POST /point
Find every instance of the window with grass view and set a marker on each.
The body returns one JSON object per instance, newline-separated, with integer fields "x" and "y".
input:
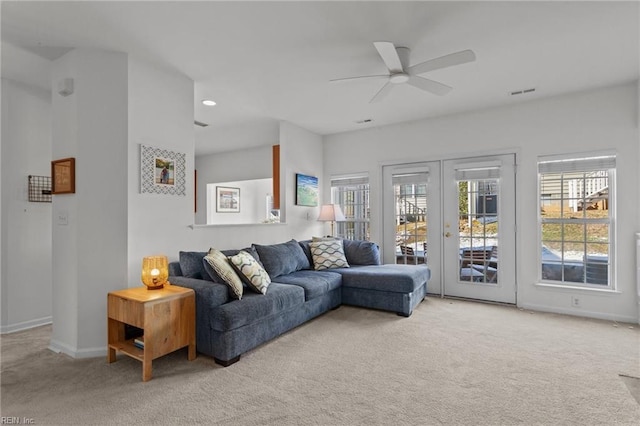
{"x": 352, "y": 194}
{"x": 576, "y": 220}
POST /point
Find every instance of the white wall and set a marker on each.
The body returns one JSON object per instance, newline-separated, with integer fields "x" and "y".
{"x": 89, "y": 247}
{"x": 595, "y": 120}
{"x": 257, "y": 133}
{"x": 253, "y": 202}
{"x": 26, "y": 226}
{"x": 241, "y": 165}
{"x": 160, "y": 115}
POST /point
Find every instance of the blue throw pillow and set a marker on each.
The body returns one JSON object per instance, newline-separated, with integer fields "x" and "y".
{"x": 360, "y": 252}
{"x": 306, "y": 249}
{"x": 282, "y": 259}
{"x": 191, "y": 264}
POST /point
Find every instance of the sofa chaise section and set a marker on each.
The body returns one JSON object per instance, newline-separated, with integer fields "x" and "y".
{"x": 395, "y": 288}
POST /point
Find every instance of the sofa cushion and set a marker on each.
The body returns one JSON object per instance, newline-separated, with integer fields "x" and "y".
{"x": 220, "y": 264}
{"x": 328, "y": 255}
{"x": 283, "y": 258}
{"x": 191, "y": 264}
{"x": 250, "y": 271}
{"x": 256, "y": 307}
{"x": 361, "y": 252}
{"x": 314, "y": 283}
{"x": 389, "y": 278}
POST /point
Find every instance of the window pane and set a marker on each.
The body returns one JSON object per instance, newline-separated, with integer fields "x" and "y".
{"x": 573, "y": 232}
{"x": 598, "y": 232}
{"x": 551, "y": 232}
{"x": 551, "y": 208}
{"x": 601, "y": 250}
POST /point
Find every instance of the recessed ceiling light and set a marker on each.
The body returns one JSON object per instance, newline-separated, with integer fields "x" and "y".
{"x": 208, "y": 102}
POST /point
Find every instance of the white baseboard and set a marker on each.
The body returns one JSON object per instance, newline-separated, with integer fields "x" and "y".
{"x": 59, "y": 347}
{"x": 579, "y": 313}
{"x": 25, "y": 325}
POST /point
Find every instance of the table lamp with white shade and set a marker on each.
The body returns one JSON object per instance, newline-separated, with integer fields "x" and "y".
{"x": 331, "y": 213}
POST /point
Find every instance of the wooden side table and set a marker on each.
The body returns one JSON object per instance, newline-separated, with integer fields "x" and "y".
{"x": 166, "y": 315}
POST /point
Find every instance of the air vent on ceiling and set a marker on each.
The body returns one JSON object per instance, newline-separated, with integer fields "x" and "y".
{"x": 200, "y": 123}
{"x": 522, "y": 92}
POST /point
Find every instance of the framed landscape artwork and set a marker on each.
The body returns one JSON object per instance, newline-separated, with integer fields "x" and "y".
{"x": 306, "y": 190}
{"x": 227, "y": 199}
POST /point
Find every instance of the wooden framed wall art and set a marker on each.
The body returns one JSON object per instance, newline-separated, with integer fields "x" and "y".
{"x": 63, "y": 176}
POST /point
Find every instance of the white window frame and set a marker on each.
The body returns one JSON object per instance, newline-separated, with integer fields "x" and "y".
{"x": 576, "y": 163}
{"x": 357, "y": 216}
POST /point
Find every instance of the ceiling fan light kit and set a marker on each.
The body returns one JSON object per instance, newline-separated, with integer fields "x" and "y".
{"x": 397, "y": 61}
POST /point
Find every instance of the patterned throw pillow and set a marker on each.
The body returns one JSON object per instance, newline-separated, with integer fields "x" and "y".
{"x": 219, "y": 262}
{"x": 328, "y": 254}
{"x": 250, "y": 271}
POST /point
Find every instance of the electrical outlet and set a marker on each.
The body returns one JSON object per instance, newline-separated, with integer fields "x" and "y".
{"x": 575, "y": 301}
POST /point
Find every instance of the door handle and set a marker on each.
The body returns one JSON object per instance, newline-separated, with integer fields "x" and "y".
{"x": 447, "y": 234}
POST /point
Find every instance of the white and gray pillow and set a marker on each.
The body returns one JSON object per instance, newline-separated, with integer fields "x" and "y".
{"x": 220, "y": 264}
{"x": 328, "y": 255}
{"x": 250, "y": 271}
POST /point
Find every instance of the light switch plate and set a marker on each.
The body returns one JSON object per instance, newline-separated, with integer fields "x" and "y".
{"x": 63, "y": 217}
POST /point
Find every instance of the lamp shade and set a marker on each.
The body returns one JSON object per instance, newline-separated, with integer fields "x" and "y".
{"x": 331, "y": 213}
{"x": 155, "y": 271}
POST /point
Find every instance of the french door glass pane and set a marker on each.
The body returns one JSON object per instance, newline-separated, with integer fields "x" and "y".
{"x": 478, "y": 230}
{"x": 411, "y": 222}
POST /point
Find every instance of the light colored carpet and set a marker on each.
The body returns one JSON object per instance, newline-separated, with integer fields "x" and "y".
{"x": 451, "y": 362}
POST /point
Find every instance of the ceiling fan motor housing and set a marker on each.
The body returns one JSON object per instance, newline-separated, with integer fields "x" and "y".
{"x": 398, "y": 78}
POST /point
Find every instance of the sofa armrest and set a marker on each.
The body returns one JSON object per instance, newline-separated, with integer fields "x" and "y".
{"x": 208, "y": 293}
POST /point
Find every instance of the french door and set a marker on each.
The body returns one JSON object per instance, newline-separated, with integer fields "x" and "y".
{"x": 458, "y": 217}
{"x": 479, "y": 228}
{"x": 411, "y": 211}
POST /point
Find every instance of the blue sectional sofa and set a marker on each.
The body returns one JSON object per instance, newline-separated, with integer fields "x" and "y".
{"x": 226, "y": 328}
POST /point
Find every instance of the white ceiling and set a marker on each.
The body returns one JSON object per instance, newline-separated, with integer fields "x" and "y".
{"x": 263, "y": 61}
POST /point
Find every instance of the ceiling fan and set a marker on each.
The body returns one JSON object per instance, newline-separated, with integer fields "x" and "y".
{"x": 397, "y": 61}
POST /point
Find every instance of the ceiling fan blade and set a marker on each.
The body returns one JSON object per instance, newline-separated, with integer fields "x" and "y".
{"x": 442, "y": 62}
{"x": 429, "y": 85}
{"x": 357, "y": 78}
{"x": 382, "y": 93}
{"x": 389, "y": 55}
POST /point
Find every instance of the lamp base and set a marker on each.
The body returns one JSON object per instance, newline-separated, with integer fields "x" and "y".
{"x": 155, "y": 286}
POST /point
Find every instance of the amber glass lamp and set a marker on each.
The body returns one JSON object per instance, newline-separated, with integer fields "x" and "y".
{"x": 155, "y": 271}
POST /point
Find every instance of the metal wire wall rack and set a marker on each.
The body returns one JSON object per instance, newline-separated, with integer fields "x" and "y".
{"x": 39, "y": 189}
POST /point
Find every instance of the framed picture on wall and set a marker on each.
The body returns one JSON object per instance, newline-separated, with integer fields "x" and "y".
{"x": 227, "y": 199}
{"x": 306, "y": 190}
{"x": 162, "y": 171}
{"x": 63, "y": 176}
